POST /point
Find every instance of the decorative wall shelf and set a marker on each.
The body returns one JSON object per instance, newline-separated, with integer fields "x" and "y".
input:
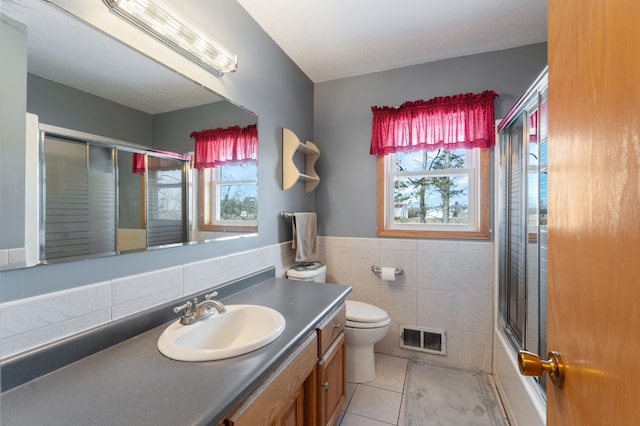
{"x": 290, "y": 174}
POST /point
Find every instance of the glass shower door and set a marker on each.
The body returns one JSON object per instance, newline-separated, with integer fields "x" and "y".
{"x": 522, "y": 212}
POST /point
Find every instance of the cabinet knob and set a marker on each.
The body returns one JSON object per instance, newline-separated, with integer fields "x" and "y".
{"x": 325, "y": 385}
{"x": 337, "y": 325}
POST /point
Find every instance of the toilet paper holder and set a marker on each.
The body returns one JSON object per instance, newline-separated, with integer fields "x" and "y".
{"x": 376, "y": 269}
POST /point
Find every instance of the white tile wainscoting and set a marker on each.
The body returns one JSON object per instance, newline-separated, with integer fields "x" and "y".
{"x": 446, "y": 284}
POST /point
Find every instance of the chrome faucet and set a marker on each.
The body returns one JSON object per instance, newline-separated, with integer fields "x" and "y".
{"x": 194, "y": 311}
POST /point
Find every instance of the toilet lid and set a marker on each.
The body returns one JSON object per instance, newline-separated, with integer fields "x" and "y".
{"x": 364, "y": 312}
{"x": 367, "y": 325}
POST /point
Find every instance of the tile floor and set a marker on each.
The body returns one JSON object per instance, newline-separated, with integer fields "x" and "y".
{"x": 415, "y": 393}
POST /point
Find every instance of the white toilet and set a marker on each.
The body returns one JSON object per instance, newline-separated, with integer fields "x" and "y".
{"x": 366, "y": 325}
{"x": 308, "y": 271}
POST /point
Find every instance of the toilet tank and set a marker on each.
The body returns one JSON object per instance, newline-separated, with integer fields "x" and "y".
{"x": 308, "y": 271}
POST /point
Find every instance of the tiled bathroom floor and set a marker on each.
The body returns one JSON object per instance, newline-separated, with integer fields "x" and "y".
{"x": 416, "y": 393}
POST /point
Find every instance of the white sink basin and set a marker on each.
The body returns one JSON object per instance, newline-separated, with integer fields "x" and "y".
{"x": 242, "y": 329}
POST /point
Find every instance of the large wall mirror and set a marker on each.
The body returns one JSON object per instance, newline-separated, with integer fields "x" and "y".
{"x": 94, "y": 98}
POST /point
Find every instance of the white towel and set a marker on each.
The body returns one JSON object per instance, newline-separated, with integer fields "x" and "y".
{"x": 304, "y": 236}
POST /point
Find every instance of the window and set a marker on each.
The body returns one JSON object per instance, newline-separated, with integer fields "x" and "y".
{"x": 433, "y": 166}
{"x": 228, "y": 197}
{"x": 227, "y": 160}
{"x": 166, "y": 201}
{"x": 434, "y": 193}
{"x": 166, "y": 193}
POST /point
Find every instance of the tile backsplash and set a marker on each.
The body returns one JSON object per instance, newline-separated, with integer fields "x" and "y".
{"x": 446, "y": 284}
{"x": 38, "y": 320}
{"x": 54, "y": 316}
{"x": 14, "y": 257}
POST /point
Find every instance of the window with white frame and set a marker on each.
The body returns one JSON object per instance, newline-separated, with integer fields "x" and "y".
{"x": 434, "y": 193}
{"x": 228, "y": 197}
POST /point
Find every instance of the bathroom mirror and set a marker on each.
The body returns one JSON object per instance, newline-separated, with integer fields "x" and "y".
{"x": 81, "y": 79}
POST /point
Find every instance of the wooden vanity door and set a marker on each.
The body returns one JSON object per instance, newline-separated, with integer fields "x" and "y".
{"x": 332, "y": 382}
{"x": 281, "y": 399}
{"x": 293, "y": 414}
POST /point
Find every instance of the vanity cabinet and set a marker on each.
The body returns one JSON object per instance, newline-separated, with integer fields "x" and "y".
{"x": 287, "y": 396}
{"x": 307, "y": 388}
{"x": 331, "y": 380}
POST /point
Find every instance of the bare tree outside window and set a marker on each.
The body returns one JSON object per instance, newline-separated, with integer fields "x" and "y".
{"x": 431, "y": 187}
{"x": 238, "y": 192}
{"x": 229, "y": 197}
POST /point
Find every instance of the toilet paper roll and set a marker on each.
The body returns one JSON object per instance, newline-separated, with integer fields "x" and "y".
{"x": 388, "y": 273}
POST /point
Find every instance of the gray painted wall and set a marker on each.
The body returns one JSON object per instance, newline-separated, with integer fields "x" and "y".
{"x": 346, "y": 197}
{"x": 13, "y": 87}
{"x": 171, "y": 130}
{"x": 63, "y": 106}
{"x": 267, "y": 83}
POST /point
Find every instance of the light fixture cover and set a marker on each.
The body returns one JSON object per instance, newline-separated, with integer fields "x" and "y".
{"x": 167, "y": 26}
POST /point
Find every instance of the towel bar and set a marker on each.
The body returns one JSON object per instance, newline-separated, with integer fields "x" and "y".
{"x": 287, "y": 215}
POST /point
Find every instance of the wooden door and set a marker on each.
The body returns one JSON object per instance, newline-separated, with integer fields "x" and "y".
{"x": 594, "y": 205}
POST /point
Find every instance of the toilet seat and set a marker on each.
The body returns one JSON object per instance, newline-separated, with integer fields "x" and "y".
{"x": 357, "y": 324}
{"x": 364, "y": 315}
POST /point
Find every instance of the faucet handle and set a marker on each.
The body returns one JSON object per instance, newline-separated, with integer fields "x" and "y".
{"x": 209, "y": 296}
{"x": 186, "y": 306}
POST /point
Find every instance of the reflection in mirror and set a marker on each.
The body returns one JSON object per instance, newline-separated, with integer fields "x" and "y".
{"x": 227, "y": 163}
{"x": 94, "y": 201}
{"x": 79, "y": 200}
{"x": 166, "y": 201}
{"x": 81, "y": 79}
{"x": 132, "y": 217}
{"x": 229, "y": 194}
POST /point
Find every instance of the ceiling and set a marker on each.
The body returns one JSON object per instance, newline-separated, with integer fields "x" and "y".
{"x": 332, "y": 39}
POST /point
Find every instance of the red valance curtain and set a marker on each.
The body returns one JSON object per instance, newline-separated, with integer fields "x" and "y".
{"x": 450, "y": 122}
{"x": 533, "y": 127}
{"x": 160, "y": 163}
{"x": 138, "y": 163}
{"x": 230, "y": 145}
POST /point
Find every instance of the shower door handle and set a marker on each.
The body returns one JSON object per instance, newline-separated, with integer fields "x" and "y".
{"x": 532, "y": 365}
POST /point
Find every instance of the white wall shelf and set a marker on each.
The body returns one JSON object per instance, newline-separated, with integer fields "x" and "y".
{"x": 290, "y": 173}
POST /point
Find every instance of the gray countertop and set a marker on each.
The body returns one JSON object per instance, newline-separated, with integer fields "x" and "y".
{"x": 131, "y": 383}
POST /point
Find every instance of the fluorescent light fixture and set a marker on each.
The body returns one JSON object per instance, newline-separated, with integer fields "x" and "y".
{"x": 171, "y": 29}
